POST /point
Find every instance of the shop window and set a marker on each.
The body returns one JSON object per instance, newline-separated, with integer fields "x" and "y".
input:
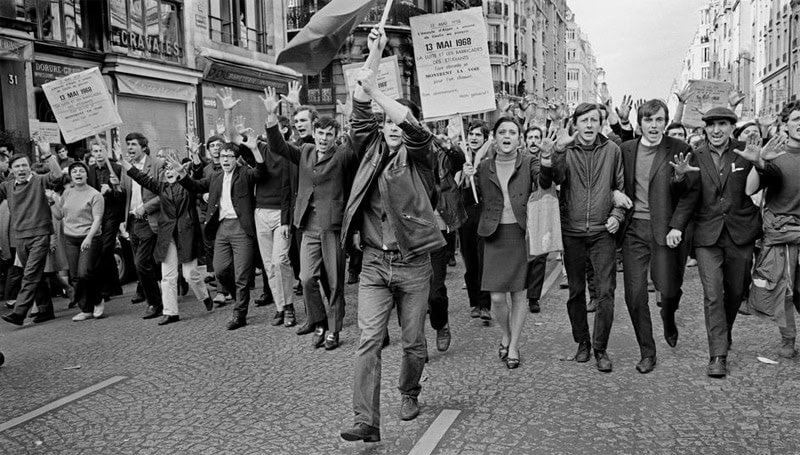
{"x": 241, "y": 23}
{"x": 147, "y": 28}
{"x": 61, "y": 21}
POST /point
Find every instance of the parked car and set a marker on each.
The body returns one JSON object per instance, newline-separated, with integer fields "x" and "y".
{"x": 123, "y": 255}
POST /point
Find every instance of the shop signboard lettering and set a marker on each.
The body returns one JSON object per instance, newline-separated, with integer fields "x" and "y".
{"x": 44, "y": 72}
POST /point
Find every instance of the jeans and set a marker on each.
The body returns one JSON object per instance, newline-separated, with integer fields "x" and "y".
{"x": 84, "y": 266}
{"x": 725, "y": 273}
{"x": 640, "y": 252}
{"x": 438, "y": 301}
{"x": 601, "y": 250}
{"x": 32, "y": 253}
{"x": 143, "y": 244}
{"x": 169, "y": 280}
{"x": 234, "y": 259}
{"x": 388, "y": 279}
{"x": 274, "y": 251}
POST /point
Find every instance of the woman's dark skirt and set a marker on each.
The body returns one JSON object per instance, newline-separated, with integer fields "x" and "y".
{"x": 505, "y": 260}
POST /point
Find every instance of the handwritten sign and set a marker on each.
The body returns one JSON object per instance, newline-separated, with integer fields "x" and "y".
{"x": 46, "y": 130}
{"x": 452, "y": 60}
{"x": 703, "y": 96}
{"x": 82, "y": 104}
{"x": 388, "y": 78}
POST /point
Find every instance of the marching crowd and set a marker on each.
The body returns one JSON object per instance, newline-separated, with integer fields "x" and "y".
{"x": 396, "y": 199}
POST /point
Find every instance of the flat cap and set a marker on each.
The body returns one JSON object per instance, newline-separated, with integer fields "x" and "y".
{"x": 720, "y": 113}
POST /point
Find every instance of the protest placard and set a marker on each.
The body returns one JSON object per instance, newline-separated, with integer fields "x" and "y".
{"x": 703, "y": 96}
{"x": 81, "y": 104}
{"x": 46, "y": 130}
{"x": 388, "y": 78}
{"x": 452, "y": 61}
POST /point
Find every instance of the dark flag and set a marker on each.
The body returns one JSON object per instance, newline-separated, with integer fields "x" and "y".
{"x": 316, "y": 45}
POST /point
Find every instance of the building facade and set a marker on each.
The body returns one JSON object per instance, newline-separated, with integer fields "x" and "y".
{"x": 581, "y": 65}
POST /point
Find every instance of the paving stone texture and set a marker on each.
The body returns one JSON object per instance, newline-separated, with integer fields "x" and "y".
{"x": 195, "y": 388}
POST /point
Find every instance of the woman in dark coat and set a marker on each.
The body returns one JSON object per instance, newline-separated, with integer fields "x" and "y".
{"x": 178, "y": 240}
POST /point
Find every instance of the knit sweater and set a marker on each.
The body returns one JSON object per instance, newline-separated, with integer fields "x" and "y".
{"x": 80, "y": 207}
{"x": 28, "y": 204}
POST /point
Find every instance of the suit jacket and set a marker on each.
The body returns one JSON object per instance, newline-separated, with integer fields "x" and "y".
{"x": 718, "y": 199}
{"x": 664, "y": 193}
{"x": 328, "y": 180}
{"x": 152, "y": 204}
{"x": 243, "y": 184}
{"x": 523, "y": 181}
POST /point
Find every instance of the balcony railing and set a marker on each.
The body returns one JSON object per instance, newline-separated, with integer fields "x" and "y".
{"x": 249, "y": 38}
{"x": 498, "y": 48}
{"x": 298, "y": 16}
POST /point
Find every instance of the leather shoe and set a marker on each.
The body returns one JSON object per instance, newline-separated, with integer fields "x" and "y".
{"x": 603, "y": 362}
{"x": 152, "y": 312}
{"x": 332, "y": 341}
{"x": 264, "y": 300}
{"x": 409, "y": 408}
{"x": 443, "y": 339}
{"x": 533, "y": 305}
{"x": 42, "y": 317}
{"x": 305, "y": 329}
{"x": 138, "y": 298}
{"x": 717, "y": 367}
{"x": 169, "y": 319}
{"x": 13, "y": 318}
{"x": 319, "y": 337}
{"x": 486, "y": 315}
{"x": 361, "y": 432}
{"x": 278, "y": 318}
{"x": 209, "y": 304}
{"x": 236, "y": 322}
{"x": 646, "y": 365}
{"x": 584, "y": 352}
{"x": 670, "y": 329}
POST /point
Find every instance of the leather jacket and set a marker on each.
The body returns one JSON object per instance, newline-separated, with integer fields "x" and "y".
{"x": 405, "y": 180}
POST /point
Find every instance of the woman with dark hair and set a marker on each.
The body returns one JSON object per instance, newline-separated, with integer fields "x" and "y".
{"x": 505, "y": 182}
{"x": 81, "y": 211}
{"x": 179, "y": 238}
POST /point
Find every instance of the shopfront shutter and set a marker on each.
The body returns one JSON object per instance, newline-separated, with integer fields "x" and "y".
{"x": 162, "y": 122}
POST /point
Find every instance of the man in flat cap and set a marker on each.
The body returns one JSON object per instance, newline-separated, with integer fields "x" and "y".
{"x": 727, "y": 226}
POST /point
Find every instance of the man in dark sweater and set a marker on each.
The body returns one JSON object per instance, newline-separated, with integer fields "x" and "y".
{"x": 32, "y": 223}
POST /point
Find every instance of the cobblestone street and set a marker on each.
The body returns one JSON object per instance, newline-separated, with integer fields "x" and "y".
{"x": 193, "y": 387}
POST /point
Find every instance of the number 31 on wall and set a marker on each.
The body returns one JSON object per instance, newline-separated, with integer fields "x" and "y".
{"x": 13, "y": 79}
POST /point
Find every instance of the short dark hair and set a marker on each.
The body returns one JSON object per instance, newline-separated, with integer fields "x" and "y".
{"x": 10, "y": 147}
{"x": 230, "y": 146}
{"x": 415, "y": 110}
{"x": 504, "y": 119}
{"x": 675, "y": 126}
{"x": 534, "y": 128}
{"x": 583, "y": 109}
{"x": 18, "y": 157}
{"x": 312, "y": 112}
{"x": 788, "y": 108}
{"x": 479, "y": 124}
{"x": 651, "y": 108}
{"x": 326, "y": 121}
{"x": 140, "y": 139}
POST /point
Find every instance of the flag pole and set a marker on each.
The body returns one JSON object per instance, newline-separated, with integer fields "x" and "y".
{"x": 371, "y": 58}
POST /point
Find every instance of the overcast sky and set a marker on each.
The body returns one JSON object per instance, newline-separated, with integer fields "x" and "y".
{"x": 640, "y": 43}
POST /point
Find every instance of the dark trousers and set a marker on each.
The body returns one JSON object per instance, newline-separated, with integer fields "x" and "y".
{"x": 437, "y": 298}
{"x": 84, "y": 266}
{"x": 472, "y": 253}
{"x": 601, "y": 251}
{"x": 6, "y": 267}
{"x": 32, "y": 254}
{"x": 323, "y": 260}
{"x": 294, "y": 251}
{"x": 234, "y": 259}
{"x": 143, "y": 243}
{"x": 108, "y": 275}
{"x": 356, "y": 259}
{"x": 536, "y": 271}
{"x": 640, "y": 253}
{"x": 725, "y": 273}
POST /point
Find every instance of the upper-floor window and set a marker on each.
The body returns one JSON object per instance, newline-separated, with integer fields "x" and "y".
{"x": 241, "y": 23}
{"x": 571, "y": 54}
{"x": 60, "y": 21}
{"x": 571, "y": 34}
{"x": 147, "y": 28}
{"x": 572, "y": 75}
